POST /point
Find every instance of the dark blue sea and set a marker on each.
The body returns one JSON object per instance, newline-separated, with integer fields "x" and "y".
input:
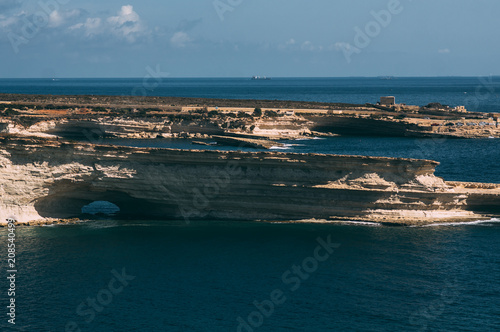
{"x": 480, "y": 94}
{"x": 112, "y": 275}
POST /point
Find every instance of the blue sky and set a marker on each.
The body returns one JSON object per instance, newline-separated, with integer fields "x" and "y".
{"x": 240, "y": 38}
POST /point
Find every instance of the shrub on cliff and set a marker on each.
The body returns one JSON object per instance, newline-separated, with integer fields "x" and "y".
{"x": 257, "y": 112}
{"x": 184, "y": 117}
{"x": 200, "y": 110}
{"x": 435, "y": 106}
{"x": 237, "y": 124}
{"x": 271, "y": 114}
{"x": 99, "y": 109}
{"x": 242, "y": 114}
{"x": 10, "y": 111}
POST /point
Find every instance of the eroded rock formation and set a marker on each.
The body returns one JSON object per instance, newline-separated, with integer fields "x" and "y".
{"x": 43, "y": 178}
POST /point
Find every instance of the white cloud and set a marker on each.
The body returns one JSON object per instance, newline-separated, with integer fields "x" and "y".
{"x": 288, "y": 45}
{"x": 180, "y": 39}
{"x": 127, "y": 24}
{"x": 125, "y": 15}
{"x": 7, "y": 21}
{"x": 343, "y": 47}
{"x": 307, "y": 46}
{"x": 444, "y": 51}
{"x": 58, "y": 18}
{"x": 339, "y": 46}
{"x": 92, "y": 27}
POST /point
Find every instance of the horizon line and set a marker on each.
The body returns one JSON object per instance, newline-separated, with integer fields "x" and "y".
{"x": 245, "y": 77}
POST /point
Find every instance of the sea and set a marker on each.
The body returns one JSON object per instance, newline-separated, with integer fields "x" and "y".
{"x": 114, "y": 275}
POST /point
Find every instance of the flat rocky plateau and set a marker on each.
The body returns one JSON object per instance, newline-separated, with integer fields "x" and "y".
{"x": 43, "y": 179}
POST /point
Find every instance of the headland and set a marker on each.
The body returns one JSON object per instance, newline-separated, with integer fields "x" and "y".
{"x": 53, "y": 164}
{"x": 172, "y": 117}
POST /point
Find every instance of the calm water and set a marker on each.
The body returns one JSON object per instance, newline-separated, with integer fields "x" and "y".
{"x": 206, "y": 276}
{"x": 461, "y": 159}
{"x": 203, "y": 277}
{"x": 478, "y": 94}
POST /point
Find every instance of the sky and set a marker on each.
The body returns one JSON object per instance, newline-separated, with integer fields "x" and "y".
{"x": 242, "y": 38}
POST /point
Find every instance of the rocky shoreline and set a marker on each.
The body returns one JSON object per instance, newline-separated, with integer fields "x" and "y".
{"x": 53, "y": 162}
{"x": 46, "y": 180}
{"x": 89, "y": 118}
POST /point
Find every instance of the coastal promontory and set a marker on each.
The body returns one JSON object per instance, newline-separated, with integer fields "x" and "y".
{"x": 45, "y": 179}
{"x": 53, "y": 161}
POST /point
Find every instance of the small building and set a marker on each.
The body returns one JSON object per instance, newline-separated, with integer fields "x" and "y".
{"x": 460, "y": 109}
{"x": 388, "y": 101}
{"x": 497, "y": 119}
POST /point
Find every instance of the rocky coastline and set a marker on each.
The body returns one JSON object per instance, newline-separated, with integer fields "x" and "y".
{"x": 93, "y": 117}
{"x": 43, "y": 179}
{"x": 53, "y": 162}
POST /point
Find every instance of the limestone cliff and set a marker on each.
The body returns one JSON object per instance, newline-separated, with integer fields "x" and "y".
{"x": 43, "y": 178}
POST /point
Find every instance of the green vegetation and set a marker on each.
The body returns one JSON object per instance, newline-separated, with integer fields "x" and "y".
{"x": 9, "y": 112}
{"x": 99, "y": 109}
{"x": 257, "y": 112}
{"x": 271, "y": 114}
{"x": 184, "y": 117}
{"x": 200, "y": 111}
{"x": 242, "y": 114}
{"x": 237, "y": 124}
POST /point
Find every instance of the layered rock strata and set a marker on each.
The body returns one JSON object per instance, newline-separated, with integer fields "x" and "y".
{"x": 43, "y": 178}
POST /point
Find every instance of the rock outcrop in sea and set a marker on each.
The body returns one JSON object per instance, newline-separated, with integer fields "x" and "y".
{"x": 42, "y": 179}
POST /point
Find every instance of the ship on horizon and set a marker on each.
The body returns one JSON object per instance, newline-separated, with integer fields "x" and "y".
{"x": 260, "y": 78}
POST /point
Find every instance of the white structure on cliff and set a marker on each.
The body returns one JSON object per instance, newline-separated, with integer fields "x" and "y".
{"x": 460, "y": 109}
{"x": 388, "y": 101}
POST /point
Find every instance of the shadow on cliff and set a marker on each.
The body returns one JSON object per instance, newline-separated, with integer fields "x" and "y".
{"x": 68, "y": 202}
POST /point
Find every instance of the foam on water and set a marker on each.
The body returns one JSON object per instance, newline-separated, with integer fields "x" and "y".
{"x": 334, "y": 222}
{"x": 466, "y": 223}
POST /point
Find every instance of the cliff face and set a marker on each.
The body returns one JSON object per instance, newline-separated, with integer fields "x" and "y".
{"x": 48, "y": 179}
{"x": 153, "y": 128}
{"x": 362, "y": 127}
{"x": 185, "y": 125}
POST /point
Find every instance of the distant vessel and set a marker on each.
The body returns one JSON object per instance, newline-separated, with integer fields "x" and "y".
{"x": 261, "y": 78}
